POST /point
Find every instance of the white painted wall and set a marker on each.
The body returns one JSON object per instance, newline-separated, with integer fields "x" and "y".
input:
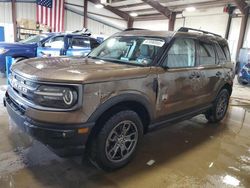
{"x": 152, "y": 24}
{"x": 213, "y": 20}
{"x": 75, "y": 21}
{"x": 26, "y": 11}
{"x": 234, "y": 37}
{"x": 6, "y": 21}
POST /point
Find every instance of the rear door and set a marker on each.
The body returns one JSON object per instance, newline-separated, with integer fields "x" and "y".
{"x": 211, "y": 69}
{"x": 179, "y": 81}
{"x": 78, "y": 46}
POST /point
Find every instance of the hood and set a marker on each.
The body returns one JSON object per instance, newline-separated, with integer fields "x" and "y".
{"x": 15, "y": 45}
{"x": 76, "y": 70}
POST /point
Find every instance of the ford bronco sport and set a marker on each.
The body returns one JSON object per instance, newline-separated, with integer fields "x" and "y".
{"x": 136, "y": 81}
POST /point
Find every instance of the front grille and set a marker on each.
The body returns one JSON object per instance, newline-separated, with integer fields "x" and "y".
{"x": 23, "y": 87}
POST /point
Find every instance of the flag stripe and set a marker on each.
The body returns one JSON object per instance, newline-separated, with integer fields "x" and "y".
{"x": 51, "y": 13}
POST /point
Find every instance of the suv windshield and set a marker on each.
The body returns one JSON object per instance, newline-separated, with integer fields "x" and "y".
{"x": 127, "y": 49}
{"x": 33, "y": 39}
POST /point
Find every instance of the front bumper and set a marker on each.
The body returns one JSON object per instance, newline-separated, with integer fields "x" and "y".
{"x": 53, "y": 135}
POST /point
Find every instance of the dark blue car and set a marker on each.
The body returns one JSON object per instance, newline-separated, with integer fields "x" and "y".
{"x": 51, "y": 44}
{"x": 244, "y": 75}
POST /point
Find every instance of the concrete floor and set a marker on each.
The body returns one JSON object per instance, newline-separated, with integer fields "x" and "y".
{"x": 192, "y": 153}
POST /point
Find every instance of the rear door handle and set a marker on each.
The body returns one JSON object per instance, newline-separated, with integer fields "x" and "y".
{"x": 192, "y": 75}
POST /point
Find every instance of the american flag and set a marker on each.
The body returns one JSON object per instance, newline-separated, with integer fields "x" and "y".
{"x": 51, "y": 13}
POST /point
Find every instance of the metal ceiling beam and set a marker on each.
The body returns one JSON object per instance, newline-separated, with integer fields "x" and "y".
{"x": 142, "y": 10}
{"x": 156, "y": 5}
{"x": 130, "y": 5}
{"x": 120, "y": 13}
{"x": 202, "y": 4}
{"x": 242, "y": 5}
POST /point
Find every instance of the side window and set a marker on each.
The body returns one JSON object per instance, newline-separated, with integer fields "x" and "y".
{"x": 79, "y": 43}
{"x": 220, "y": 53}
{"x": 56, "y": 42}
{"x": 93, "y": 43}
{"x": 206, "y": 54}
{"x": 181, "y": 54}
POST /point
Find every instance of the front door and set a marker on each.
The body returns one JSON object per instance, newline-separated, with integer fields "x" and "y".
{"x": 179, "y": 80}
{"x": 53, "y": 47}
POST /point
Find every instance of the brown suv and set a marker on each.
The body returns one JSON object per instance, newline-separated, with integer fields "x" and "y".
{"x": 132, "y": 83}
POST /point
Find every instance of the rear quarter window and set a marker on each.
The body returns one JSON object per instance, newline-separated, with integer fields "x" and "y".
{"x": 206, "y": 54}
{"x": 226, "y": 52}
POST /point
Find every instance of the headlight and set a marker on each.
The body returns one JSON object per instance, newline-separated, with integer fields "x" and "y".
{"x": 3, "y": 50}
{"x": 56, "y": 96}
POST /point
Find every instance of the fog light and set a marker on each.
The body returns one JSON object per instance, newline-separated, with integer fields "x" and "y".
{"x": 83, "y": 130}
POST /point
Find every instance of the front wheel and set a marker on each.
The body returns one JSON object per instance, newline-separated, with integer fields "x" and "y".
{"x": 219, "y": 109}
{"x": 116, "y": 143}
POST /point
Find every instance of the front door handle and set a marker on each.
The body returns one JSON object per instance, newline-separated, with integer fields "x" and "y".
{"x": 218, "y": 74}
{"x": 194, "y": 75}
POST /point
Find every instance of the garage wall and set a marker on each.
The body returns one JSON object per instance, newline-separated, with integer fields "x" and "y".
{"x": 74, "y": 22}
{"x": 152, "y": 25}
{"x": 26, "y": 11}
{"x": 234, "y": 37}
{"x": 98, "y": 22}
{"x": 6, "y": 21}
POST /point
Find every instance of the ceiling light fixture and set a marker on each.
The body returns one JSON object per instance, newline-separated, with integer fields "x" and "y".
{"x": 190, "y": 9}
{"x": 133, "y": 14}
{"x": 99, "y": 6}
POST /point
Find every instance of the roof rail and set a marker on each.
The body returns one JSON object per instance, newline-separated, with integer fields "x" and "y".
{"x": 187, "y": 29}
{"x": 131, "y": 29}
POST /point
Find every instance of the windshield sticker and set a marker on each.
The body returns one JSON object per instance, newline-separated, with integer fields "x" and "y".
{"x": 154, "y": 43}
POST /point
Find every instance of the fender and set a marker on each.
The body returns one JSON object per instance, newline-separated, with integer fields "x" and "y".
{"x": 118, "y": 99}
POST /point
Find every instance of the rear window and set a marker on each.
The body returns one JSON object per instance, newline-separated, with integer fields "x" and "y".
{"x": 206, "y": 54}
{"x": 220, "y": 53}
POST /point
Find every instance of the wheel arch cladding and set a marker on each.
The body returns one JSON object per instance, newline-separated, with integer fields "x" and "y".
{"x": 228, "y": 87}
{"x": 134, "y": 102}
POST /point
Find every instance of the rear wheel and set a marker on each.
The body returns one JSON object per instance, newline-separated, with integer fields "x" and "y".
{"x": 219, "y": 109}
{"x": 117, "y": 141}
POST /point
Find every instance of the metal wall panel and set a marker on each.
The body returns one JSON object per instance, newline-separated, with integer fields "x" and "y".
{"x": 5, "y": 12}
{"x": 26, "y": 11}
{"x": 74, "y": 22}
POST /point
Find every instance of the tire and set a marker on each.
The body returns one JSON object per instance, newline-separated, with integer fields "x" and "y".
{"x": 220, "y": 106}
{"x": 112, "y": 148}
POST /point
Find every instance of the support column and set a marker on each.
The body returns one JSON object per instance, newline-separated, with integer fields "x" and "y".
{"x": 242, "y": 30}
{"x": 13, "y": 10}
{"x": 85, "y": 13}
{"x": 230, "y": 13}
{"x": 130, "y": 22}
{"x": 171, "y": 23}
